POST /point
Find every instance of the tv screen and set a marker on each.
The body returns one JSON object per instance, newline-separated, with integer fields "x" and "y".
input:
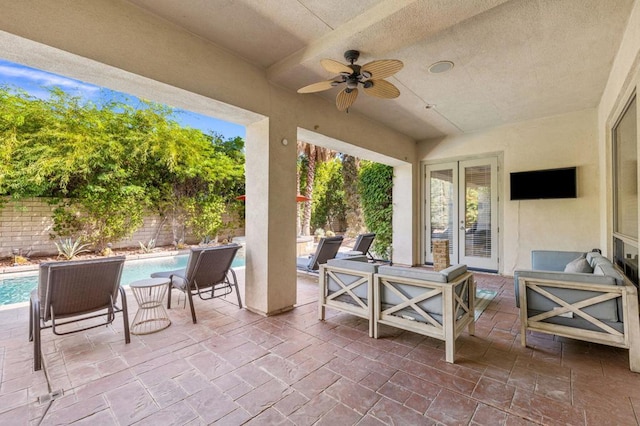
{"x": 539, "y": 184}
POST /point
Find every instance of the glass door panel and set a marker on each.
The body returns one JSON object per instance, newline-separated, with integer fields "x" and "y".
{"x": 442, "y": 208}
{"x": 478, "y": 197}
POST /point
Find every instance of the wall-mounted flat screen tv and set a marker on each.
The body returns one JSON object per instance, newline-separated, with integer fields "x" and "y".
{"x": 540, "y": 184}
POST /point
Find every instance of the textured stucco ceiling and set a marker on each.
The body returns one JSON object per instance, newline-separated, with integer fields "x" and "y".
{"x": 514, "y": 60}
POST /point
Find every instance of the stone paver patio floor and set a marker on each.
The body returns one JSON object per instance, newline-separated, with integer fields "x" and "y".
{"x": 235, "y": 367}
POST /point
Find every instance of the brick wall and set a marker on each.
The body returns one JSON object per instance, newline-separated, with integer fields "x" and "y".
{"x": 27, "y": 224}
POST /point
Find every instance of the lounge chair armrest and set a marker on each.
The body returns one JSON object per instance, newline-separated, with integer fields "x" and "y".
{"x": 178, "y": 280}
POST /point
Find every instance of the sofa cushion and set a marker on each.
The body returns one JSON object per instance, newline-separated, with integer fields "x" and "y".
{"x": 607, "y": 269}
{"x": 453, "y": 272}
{"x": 579, "y": 265}
{"x": 358, "y": 263}
{"x": 361, "y": 291}
{"x": 606, "y": 311}
{"x": 446, "y": 275}
{"x": 595, "y": 258}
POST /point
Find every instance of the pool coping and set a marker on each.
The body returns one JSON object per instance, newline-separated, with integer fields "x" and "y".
{"x": 137, "y": 256}
{"x": 34, "y": 267}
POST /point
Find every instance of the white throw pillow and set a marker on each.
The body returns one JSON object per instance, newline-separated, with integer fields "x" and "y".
{"x": 579, "y": 265}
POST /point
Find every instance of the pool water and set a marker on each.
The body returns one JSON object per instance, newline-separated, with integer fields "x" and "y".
{"x": 18, "y": 288}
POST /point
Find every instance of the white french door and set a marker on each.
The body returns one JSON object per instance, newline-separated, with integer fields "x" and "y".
{"x": 462, "y": 207}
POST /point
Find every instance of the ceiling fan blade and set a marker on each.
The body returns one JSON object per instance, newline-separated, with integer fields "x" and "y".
{"x": 335, "y": 67}
{"x": 382, "y": 69}
{"x": 382, "y": 89}
{"x": 318, "y": 87}
{"x": 345, "y": 100}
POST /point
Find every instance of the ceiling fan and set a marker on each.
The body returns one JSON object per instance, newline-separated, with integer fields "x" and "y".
{"x": 370, "y": 76}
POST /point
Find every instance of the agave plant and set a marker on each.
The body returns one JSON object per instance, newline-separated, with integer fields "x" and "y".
{"x": 147, "y": 248}
{"x": 69, "y": 249}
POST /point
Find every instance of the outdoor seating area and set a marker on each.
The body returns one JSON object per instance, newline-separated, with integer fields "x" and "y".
{"x": 235, "y": 367}
{"x": 438, "y": 171}
{"x": 438, "y": 304}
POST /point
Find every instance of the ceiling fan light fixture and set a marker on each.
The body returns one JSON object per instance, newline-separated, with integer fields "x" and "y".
{"x": 370, "y": 75}
{"x": 441, "y": 67}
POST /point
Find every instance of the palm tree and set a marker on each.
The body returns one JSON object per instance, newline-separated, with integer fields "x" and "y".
{"x": 313, "y": 154}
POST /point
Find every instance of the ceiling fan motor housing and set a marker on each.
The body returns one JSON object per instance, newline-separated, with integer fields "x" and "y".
{"x": 351, "y": 55}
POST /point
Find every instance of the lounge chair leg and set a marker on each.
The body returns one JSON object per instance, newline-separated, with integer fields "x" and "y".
{"x": 169, "y": 295}
{"x": 235, "y": 284}
{"x": 125, "y": 315}
{"x": 37, "y": 351}
{"x": 31, "y": 320}
{"x": 322, "y": 285}
{"x": 193, "y": 310}
{"x": 238, "y": 294}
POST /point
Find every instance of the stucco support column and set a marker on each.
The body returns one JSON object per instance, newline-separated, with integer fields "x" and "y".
{"x": 406, "y": 216}
{"x": 270, "y": 278}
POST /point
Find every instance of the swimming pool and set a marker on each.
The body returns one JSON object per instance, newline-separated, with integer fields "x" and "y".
{"x": 16, "y": 288}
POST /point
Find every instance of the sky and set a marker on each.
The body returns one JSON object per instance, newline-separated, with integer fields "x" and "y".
{"x": 37, "y": 83}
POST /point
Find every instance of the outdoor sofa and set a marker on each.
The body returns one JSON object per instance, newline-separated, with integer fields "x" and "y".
{"x": 581, "y": 296}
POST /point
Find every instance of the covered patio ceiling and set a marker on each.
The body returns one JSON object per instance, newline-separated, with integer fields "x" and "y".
{"x": 514, "y": 60}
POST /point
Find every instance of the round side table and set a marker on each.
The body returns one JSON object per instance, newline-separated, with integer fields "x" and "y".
{"x": 151, "y": 316}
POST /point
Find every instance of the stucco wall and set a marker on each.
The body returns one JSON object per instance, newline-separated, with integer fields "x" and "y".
{"x": 27, "y": 224}
{"x": 559, "y": 141}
